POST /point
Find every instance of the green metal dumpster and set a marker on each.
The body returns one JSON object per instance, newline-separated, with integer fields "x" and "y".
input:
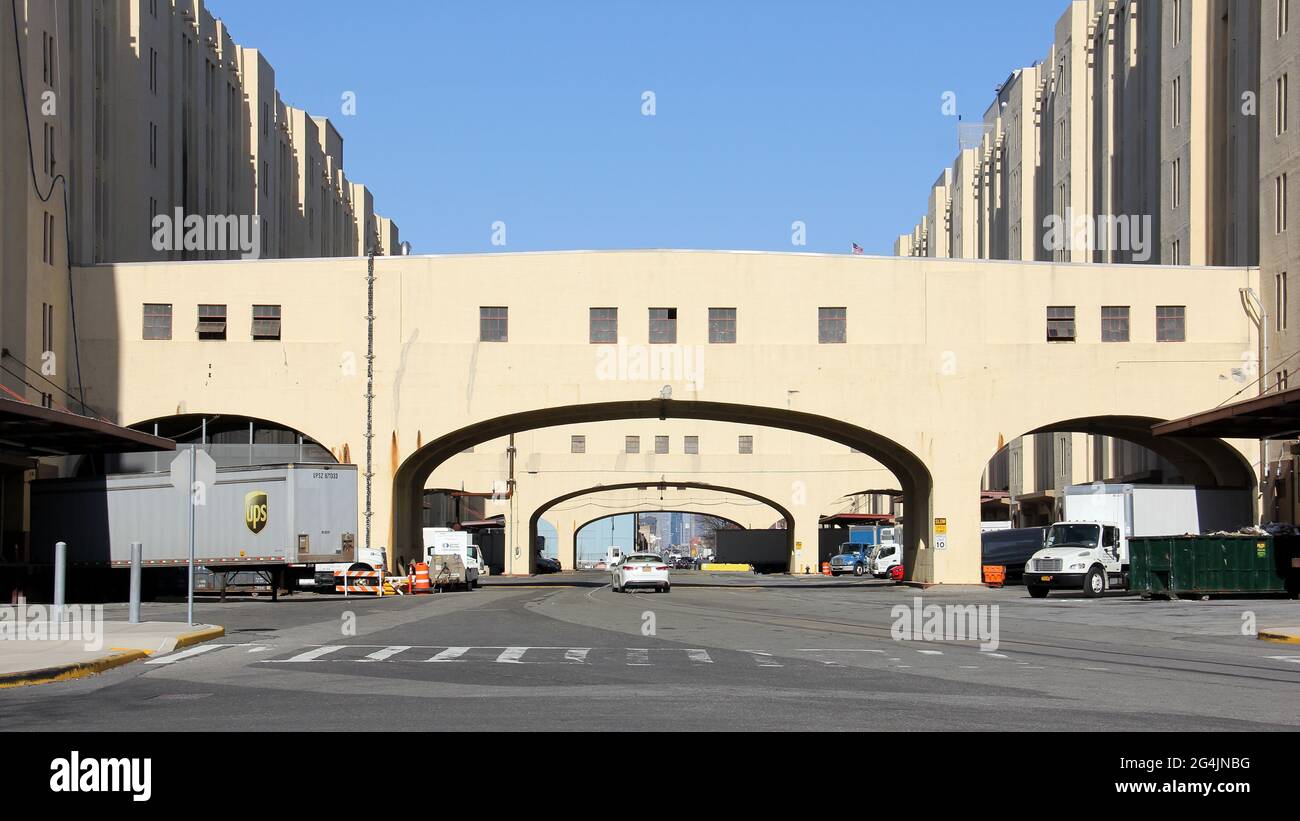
{"x": 1205, "y": 565}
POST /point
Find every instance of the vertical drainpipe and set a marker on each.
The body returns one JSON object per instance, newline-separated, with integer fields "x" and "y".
{"x": 510, "y": 490}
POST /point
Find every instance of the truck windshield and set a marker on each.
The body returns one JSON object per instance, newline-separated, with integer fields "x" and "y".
{"x": 1073, "y": 536}
{"x": 848, "y": 547}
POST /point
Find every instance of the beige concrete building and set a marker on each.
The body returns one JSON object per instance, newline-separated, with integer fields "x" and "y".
{"x": 1136, "y": 139}
{"x": 1139, "y": 110}
{"x": 956, "y": 350}
{"x": 136, "y": 110}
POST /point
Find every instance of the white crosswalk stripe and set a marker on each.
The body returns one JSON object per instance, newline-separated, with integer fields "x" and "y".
{"x": 699, "y": 656}
{"x": 638, "y": 657}
{"x": 451, "y": 654}
{"x": 1288, "y": 659}
{"x": 577, "y": 655}
{"x": 190, "y": 652}
{"x": 764, "y": 659}
{"x": 310, "y": 655}
{"x": 386, "y": 653}
{"x": 512, "y": 655}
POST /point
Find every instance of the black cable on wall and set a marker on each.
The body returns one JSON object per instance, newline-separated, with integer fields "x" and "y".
{"x": 45, "y": 198}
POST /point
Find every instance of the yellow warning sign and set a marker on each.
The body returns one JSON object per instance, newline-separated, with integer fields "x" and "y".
{"x": 941, "y": 526}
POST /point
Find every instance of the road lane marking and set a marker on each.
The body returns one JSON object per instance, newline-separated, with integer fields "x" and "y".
{"x": 189, "y": 653}
{"x": 699, "y": 656}
{"x": 764, "y": 659}
{"x": 841, "y": 650}
{"x": 577, "y": 655}
{"x": 512, "y": 655}
{"x": 1288, "y": 659}
{"x": 310, "y": 655}
{"x": 451, "y": 654}
{"x": 386, "y": 653}
{"x": 997, "y": 655}
{"x": 930, "y": 652}
{"x": 638, "y": 657}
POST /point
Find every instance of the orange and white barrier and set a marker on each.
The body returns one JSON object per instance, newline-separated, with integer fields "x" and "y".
{"x": 359, "y": 581}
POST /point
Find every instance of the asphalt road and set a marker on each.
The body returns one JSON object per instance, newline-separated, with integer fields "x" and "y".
{"x": 718, "y": 653}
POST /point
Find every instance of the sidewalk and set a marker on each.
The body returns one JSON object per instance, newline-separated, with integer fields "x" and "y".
{"x": 40, "y": 662}
{"x": 1282, "y": 635}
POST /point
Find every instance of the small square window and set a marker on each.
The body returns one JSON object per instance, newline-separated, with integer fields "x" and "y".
{"x": 577, "y": 444}
{"x": 692, "y": 445}
{"x": 493, "y": 324}
{"x": 212, "y": 322}
{"x": 1171, "y": 323}
{"x": 661, "y": 444}
{"x": 832, "y": 326}
{"x": 604, "y": 326}
{"x": 157, "y": 321}
{"x": 266, "y": 322}
{"x": 722, "y": 326}
{"x": 632, "y": 444}
{"x": 1060, "y": 323}
{"x": 1114, "y": 323}
{"x": 663, "y": 326}
{"x": 746, "y": 444}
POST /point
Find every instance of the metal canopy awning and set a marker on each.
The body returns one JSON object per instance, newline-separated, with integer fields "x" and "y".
{"x": 31, "y": 431}
{"x": 847, "y": 519}
{"x": 1272, "y": 416}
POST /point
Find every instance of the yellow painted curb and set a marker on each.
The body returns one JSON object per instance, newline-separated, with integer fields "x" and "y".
{"x": 1280, "y": 638}
{"x": 70, "y": 671}
{"x": 198, "y": 637}
{"x": 725, "y": 568}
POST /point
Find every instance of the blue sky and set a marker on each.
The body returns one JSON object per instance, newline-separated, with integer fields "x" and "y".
{"x": 530, "y": 113}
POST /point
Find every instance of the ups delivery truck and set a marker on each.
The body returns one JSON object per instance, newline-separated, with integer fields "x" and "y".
{"x": 261, "y": 518}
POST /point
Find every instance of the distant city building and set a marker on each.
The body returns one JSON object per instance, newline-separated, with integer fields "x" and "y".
{"x": 138, "y": 111}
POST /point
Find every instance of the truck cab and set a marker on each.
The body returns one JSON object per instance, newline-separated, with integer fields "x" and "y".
{"x": 1087, "y": 556}
{"x": 885, "y": 556}
{"x": 854, "y": 557}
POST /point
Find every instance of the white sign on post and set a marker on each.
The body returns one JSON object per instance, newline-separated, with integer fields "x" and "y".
{"x": 195, "y": 472}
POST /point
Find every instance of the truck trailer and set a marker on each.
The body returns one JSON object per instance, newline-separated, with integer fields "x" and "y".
{"x": 267, "y": 518}
{"x": 1089, "y": 549}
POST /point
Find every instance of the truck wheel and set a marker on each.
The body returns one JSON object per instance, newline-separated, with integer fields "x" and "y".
{"x": 1037, "y": 592}
{"x": 858, "y": 570}
{"x": 1094, "y": 584}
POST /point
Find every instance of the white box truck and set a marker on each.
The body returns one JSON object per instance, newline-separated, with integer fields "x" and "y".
{"x": 452, "y": 558}
{"x": 1088, "y": 550}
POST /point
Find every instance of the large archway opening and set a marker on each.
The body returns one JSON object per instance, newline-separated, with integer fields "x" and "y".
{"x": 910, "y": 472}
{"x": 232, "y": 440}
{"x": 1025, "y": 483}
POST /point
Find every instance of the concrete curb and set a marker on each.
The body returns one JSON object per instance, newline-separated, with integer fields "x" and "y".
{"x": 70, "y": 671}
{"x": 198, "y": 637}
{"x": 67, "y": 672}
{"x": 1280, "y": 638}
